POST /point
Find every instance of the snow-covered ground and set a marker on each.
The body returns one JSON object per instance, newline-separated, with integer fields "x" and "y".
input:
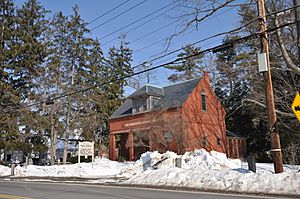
{"x": 199, "y": 169}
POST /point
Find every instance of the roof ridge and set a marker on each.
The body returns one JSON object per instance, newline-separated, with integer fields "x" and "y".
{"x": 182, "y": 82}
{"x": 152, "y": 85}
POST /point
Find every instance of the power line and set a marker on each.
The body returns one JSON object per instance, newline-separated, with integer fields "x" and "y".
{"x": 152, "y": 44}
{"x": 109, "y": 11}
{"x": 136, "y": 5}
{"x": 134, "y": 22}
{"x": 141, "y": 25}
{"x": 183, "y": 48}
{"x": 283, "y": 10}
{"x": 137, "y": 27}
{"x": 202, "y": 40}
{"x": 169, "y": 37}
{"x": 171, "y": 62}
{"x": 172, "y": 52}
{"x": 155, "y": 67}
{"x": 154, "y": 31}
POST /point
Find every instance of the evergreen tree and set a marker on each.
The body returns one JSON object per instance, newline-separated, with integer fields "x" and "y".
{"x": 23, "y": 54}
{"x": 53, "y": 77}
{"x": 118, "y": 63}
{"x": 190, "y": 67}
{"x": 9, "y": 97}
{"x": 75, "y": 69}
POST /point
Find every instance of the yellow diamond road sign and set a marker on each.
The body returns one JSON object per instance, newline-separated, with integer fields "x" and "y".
{"x": 296, "y": 106}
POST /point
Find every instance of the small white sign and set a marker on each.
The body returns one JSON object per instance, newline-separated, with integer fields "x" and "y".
{"x": 86, "y": 149}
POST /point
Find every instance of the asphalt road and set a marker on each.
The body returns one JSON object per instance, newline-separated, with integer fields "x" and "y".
{"x": 18, "y": 190}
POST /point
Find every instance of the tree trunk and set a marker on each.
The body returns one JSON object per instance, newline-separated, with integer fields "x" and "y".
{"x": 65, "y": 152}
{"x": 297, "y": 18}
{"x": 67, "y": 133}
{"x": 53, "y": 141}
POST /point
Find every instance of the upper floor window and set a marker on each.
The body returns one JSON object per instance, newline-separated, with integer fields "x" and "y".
{"x": 155, "y": 102}
{"x": 203, "y": 101}
{"x": 218, "y": 141}
{"x": 140, "y": 105}
{"x": 204, "y": 141}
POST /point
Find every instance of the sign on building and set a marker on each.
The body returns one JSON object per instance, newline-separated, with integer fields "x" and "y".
{"x": 86, "y": 149}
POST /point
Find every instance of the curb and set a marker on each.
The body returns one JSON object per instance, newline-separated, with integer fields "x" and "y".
{"x": 120, "y": 182}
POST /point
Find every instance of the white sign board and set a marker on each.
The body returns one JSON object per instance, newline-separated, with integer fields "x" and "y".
{"x": 86, "y": 149}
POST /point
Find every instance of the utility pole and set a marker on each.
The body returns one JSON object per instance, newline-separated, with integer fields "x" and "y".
{"x": 275, "y": 139}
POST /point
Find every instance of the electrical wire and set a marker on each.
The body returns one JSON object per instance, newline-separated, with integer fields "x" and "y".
{"x": 154, "y": 31}
{"x": 134, "y": 22}
{"x": 169, "y": 63}
{"x": 109, "y": 11}
{"x": 241, "y": 27}
{"x": 141, "y": 25}
{"x": 150, "y": 21}
{"x": 136, "y": 73}
{"x": 111, "y": 19}
{"x": 165, "y": 39}
{"x": 283, "y": 10}
{"x": 202, "y": 40}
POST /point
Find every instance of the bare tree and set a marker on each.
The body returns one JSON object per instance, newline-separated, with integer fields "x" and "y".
{"x": 167, "y": 131}
{"x": 291, "y": 153}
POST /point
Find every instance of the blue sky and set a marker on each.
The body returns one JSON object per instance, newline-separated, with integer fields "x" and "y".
{"x": 225, "y": 20}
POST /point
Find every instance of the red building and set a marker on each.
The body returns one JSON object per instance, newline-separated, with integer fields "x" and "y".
{"x": 180, "y": 117}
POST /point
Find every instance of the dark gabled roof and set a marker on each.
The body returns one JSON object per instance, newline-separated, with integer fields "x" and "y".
{"x": 172, "y": 96}
{"x": 148, "y": 90}
{"x": 232, "y": 134}
{"x": 124, "y": 109}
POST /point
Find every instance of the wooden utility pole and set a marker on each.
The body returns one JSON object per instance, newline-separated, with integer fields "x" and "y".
{"x": 275, "y": 139}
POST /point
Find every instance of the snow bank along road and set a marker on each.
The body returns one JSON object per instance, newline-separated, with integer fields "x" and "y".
{"x": 199, "y": 170}
{"x": 28, "y": 190}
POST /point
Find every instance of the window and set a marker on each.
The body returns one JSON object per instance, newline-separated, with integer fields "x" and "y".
{"x": 204, "y": 141}
{"x": 168, "y": 137}
{"x": 155, "y": 102}
{"x": 140, "y": 105}
{"x": 218, "y": 141}
{"x": 203, "y": 101}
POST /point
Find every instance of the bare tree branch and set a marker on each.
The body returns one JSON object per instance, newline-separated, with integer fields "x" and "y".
{"x": 263, "y": 105}
{"x": 286, "y": 56}
{"x": 197, "y": 18}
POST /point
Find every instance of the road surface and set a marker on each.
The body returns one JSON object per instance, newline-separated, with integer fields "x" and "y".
{"x": 43, "y": 190}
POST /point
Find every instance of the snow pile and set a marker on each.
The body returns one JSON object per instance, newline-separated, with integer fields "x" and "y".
{"x": 199, "y": 169}
{"x": 201, "y": 159}
{"x": 213, "y": 171}
{"x": 100, "y": 168}
{"x": 148, "y": 161}
{"x": 4, "y": 171}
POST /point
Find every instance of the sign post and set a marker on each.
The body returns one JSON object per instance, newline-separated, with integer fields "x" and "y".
{"x": 86, "y": 149}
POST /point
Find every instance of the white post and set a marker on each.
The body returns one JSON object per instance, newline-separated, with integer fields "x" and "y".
{"x": 92, "y": 154}
{"x": 78, "y": 154}
{"x": 26, "y": 162}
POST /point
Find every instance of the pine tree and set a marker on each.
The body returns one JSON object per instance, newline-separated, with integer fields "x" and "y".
{"x": 118, "y": 66}
{"x": 53, "y": 77}
{"x": 23, "y": 54}
{"x": 77, "y": 72}
{"x": 9, "y": 96}
{"x": 190, "y": 67}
